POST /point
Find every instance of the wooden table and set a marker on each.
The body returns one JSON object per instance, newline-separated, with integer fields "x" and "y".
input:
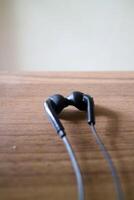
{"x": 34, "y": 164}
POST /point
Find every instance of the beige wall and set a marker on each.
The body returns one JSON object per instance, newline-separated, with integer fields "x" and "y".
{"x": 8, "y": 31}
{"x": 67, "y": 34}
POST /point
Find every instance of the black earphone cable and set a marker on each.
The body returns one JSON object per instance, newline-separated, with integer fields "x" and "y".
{"x": 107, "y": 157}
{"x": 75, "y": 165}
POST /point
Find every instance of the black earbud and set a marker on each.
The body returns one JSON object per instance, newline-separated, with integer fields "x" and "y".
{"x": 76, "y": 99}
{"x": 56, "y": 103}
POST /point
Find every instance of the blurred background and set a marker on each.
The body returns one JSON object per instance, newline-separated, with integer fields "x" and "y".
{"x": 66, "y": 35}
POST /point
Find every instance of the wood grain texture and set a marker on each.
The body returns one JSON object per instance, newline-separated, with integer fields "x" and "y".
{"x": 34, "y": 164}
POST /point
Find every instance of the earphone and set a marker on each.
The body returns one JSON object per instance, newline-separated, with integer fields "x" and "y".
{"x": 56, "y": 103}
{"x": 54, "y": 106}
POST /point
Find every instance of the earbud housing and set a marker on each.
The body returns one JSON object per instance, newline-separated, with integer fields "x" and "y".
{"x": 56, "y": 103}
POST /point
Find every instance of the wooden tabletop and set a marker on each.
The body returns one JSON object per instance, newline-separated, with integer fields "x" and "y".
{"x": 34, "y": 164}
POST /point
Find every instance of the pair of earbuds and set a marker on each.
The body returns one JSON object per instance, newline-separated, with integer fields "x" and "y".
{"x": 54, "y": 106}
{"x": 56, "y": 103}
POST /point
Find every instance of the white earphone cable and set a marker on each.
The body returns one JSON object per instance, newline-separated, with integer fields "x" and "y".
{"x": 76, "y": 168}
{"x": 107, "y": 157}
